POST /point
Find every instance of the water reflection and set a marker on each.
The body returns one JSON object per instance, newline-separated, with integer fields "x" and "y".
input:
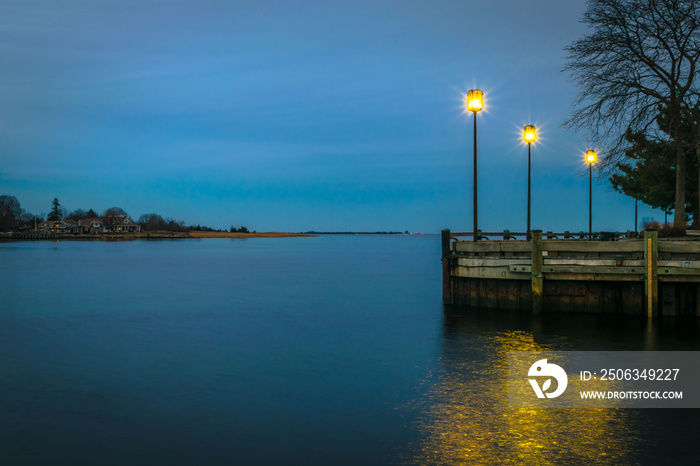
{"x": 467, "y": 419}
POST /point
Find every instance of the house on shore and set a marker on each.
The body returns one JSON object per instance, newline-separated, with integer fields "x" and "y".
{"x": 110, "y": 224}
{"x": 58, "y": 226}
{"x": 96, "y": 225}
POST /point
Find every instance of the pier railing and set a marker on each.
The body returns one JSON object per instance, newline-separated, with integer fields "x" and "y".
{"x": 634, "y": 274}
{"x": 506, "y": 234}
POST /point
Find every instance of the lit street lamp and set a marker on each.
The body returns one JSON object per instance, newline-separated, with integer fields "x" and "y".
{"x": 590, "y": 160}
{"x": 474, "y": 104}
{"x": 530, "y": 136}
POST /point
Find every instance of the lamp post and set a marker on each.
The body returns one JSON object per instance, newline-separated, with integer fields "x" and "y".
{"x": 530, "y": 136}
{"x": 474, "y": 104}
{"x": 591, "y": 158}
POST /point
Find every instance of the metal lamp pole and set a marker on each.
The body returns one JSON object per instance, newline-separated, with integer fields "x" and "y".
{"x": 591, "y": 158}
{"x": 474, "y": 104}
{"x": 530, "y": 136}
{"x": 476, "y": 205}
{"x": 590, "y": 202}
{"x": 529, "y": 147}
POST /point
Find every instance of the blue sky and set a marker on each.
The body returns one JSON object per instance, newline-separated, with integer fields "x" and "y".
{"x": 296, "y": 115}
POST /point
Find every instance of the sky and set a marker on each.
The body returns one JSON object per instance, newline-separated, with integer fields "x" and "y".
{"x": 297, "y": 115}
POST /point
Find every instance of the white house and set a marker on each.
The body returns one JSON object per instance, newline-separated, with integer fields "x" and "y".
{"x": 111, "y": 224}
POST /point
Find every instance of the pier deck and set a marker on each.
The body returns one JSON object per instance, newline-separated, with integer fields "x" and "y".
{"x": 644, "y": 276}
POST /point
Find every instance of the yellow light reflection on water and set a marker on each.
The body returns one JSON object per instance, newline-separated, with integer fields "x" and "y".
{"x": 469, "y": 421}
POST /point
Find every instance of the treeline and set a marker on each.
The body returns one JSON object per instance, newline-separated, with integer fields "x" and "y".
{"x": 153, "y": 222}
{"x": 14, "y": 218}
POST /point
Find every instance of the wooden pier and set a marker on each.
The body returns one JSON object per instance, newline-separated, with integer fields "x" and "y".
{"x": 625, "y": 274}
{"x": 31, "y": 235}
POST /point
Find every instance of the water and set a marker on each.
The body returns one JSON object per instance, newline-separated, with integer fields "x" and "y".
{"x": 314, "y": 351}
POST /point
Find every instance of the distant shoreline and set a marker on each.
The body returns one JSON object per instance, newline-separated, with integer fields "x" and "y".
{"x": 156, "y": 235}
{"x": 161, "y": 234}
{"x": 226, "y": 234}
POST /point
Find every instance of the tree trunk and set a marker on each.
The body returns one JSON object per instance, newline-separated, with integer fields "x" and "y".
{"x": 679, "y": 207}
{"x": 696, "y": 211}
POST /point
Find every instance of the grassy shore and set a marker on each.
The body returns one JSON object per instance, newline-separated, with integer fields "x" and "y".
{"x": 226, "y": 234}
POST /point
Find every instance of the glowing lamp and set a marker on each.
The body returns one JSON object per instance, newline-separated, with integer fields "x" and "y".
{"x": 530, "y": 134}
{"x": 591, "y": 157}
{"x": 475, "y": 100}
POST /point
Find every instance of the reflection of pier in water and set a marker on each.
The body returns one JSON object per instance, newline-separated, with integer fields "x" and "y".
{"x": 468, "y": 421}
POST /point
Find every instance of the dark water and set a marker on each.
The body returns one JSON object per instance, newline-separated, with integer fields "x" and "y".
{"x": 333, "y": 350}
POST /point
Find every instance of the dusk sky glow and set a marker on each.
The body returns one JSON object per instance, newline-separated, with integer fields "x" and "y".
{"x": 296, "y": 115}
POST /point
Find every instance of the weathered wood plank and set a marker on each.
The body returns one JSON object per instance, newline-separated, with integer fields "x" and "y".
{"x": 500, "y": 273}
{"x": 679, "y": 246}
{"x": 516, "y": 246}
{"x": 502, "y": 294}
{"x": 489, "y": 246}
{"x": 594, "y": 276}
{"x": 598, "y": 270}
{"x": 491, "y": 293}
{"x": 609, "y": 301}
{"x": 520, "y": 268}
{"x": 632, "y": 298}
{"x": 479, "y": 262}
{"x": 594, "y": 291}
{"x": 679, "y": 263}
{"x": 677, "y": 271}
{"x": 513, "y": 295}
{"x": 554, "y": 245}
{"x": 492, "y": 246}
{"x": 595, "y": 262}
{"x": 567, "y": 272}
{"x": 593, "y": 246}
{"x": 679, "y": 278}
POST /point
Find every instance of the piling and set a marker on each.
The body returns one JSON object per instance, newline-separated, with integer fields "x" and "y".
{"x": 537, "y": 279}
{"x": 651, "y": 279}
{"x": 446, "y": 282}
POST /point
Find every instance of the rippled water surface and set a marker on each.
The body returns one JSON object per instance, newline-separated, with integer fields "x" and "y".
{"x": 314, "y": 351}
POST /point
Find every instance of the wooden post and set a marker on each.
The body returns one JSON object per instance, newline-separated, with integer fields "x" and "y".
{"x": 537, "y": 278}
{"x": 446, "y": 277}
{"x": 651, "y": 279}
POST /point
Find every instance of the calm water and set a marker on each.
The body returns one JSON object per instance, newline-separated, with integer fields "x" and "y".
{"x": 333, "y": 350}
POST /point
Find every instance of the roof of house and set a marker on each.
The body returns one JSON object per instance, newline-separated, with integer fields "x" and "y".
{"x": 110, "y": 221}
{"x": 88, "y": 221}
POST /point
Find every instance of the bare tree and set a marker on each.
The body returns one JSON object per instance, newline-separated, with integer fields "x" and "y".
{"x": 10, "y": 212}
{"x": 77, "y": 214}
{"x": 112, "y": 218}
{"x": 641, "y": 56}
{"x": 152, "y": 222}
{"x": 115, "y": 211}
